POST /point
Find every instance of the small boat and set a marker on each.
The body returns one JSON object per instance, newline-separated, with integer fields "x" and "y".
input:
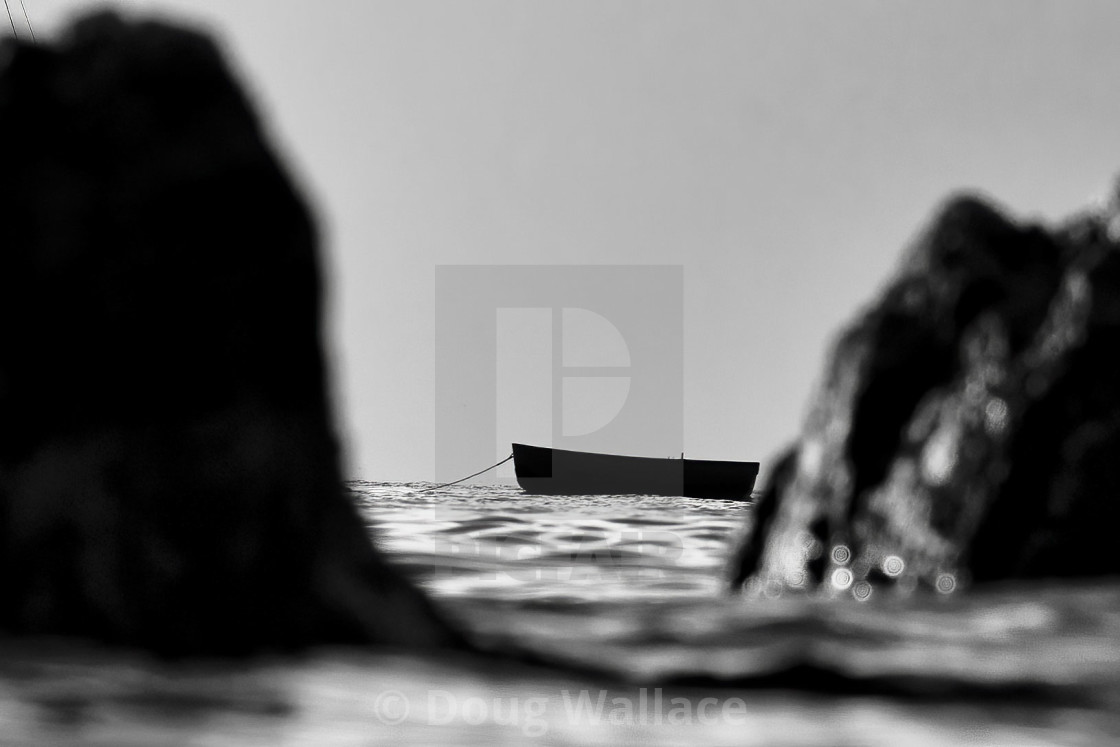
{"x": 547, "y": 471}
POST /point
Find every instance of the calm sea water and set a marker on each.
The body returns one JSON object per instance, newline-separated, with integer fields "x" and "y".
{"x": 630, "y": 587}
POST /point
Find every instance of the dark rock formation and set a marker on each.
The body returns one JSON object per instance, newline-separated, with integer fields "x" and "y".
{"x": 169, "y": 473}
{"x": 968, "y": 423}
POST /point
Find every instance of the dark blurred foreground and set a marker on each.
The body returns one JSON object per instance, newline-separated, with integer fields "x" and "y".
{"x": 1022, "y": 666}
{"x": 169, "y": 472}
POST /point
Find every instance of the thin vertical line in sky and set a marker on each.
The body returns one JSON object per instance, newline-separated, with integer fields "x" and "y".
{"x": 10, "y": 19}
{"x": 557, "y": 375}
{"x": 25, "y": 17}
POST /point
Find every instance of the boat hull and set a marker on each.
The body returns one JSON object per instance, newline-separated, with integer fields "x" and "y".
{"x": 547, "y": 471}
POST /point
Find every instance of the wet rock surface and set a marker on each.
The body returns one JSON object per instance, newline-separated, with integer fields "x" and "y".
{"x": 967, "y": 424}
{"x": 169, "y": 471}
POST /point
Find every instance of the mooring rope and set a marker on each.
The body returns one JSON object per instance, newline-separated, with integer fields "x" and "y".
{"x": 10, "y": 19}
{"x": 26, "y": 18}
{"x": 476, "y": 474}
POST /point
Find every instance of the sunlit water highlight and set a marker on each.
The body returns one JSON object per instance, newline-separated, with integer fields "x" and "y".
{"x": 631, "y": 586}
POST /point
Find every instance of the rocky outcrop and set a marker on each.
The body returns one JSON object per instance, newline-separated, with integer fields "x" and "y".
{"x": 169, "y": 472}
{"x": 967, "y": 424}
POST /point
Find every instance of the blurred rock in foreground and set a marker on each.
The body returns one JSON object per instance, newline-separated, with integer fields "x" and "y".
{"x": 169, "y": 473}
{"x": 967, "y": 427}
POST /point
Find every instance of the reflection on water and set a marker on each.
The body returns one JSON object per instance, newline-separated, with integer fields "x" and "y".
{"x": 629, "y": 585}
{"x": 496, "y": 543}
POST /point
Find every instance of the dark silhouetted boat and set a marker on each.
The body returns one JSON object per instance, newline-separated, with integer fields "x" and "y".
{"x": 559, "y": 472}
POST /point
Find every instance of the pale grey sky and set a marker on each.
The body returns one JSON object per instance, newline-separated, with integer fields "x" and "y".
{"x": 783, "y": 152}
